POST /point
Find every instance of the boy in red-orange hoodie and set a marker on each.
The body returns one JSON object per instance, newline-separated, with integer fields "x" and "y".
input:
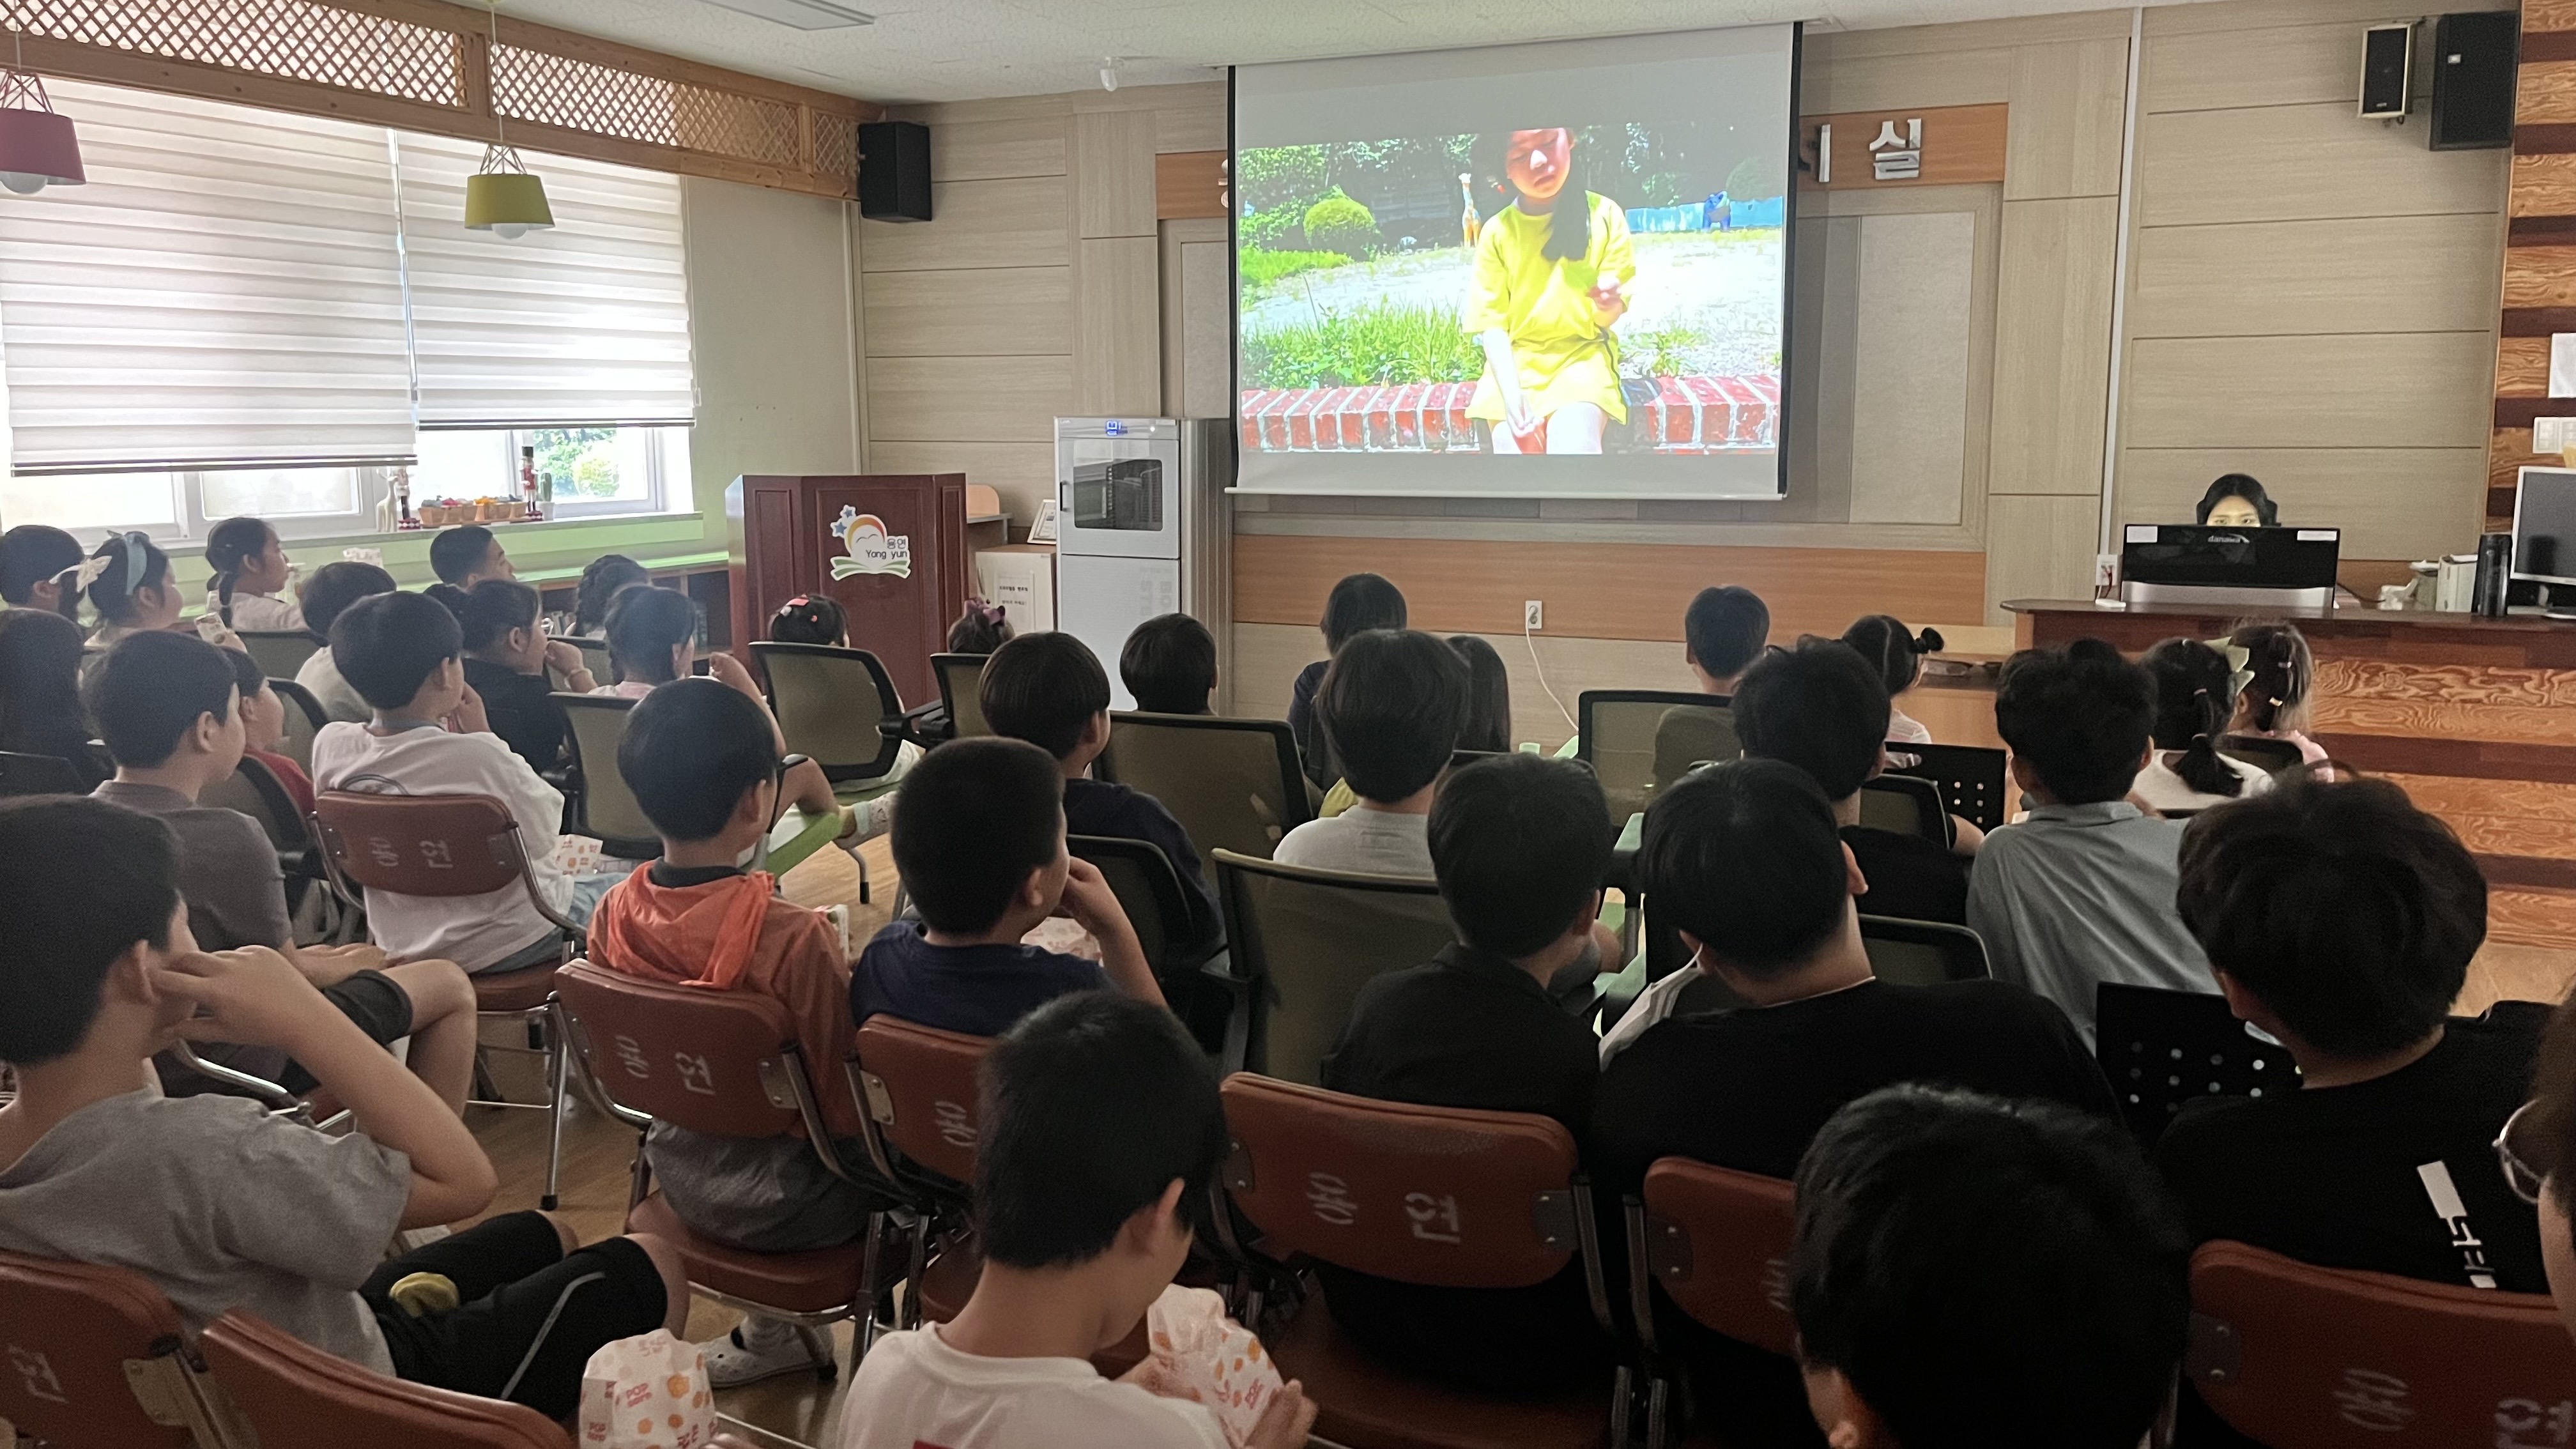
{"x": 703, "y": 762}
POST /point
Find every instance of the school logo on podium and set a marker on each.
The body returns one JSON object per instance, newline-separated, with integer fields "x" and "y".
{"x": 867, "y": 549}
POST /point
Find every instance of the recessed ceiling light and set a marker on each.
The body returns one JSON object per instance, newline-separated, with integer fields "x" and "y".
{"x": 799, "y": 14}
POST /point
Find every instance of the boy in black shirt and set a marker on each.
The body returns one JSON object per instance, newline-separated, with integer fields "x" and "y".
{"x": 1745, "y": 859}
{"x": 2341, "y": 920}
{"x": 1519, "y": 845}
{"x": 1825, "y": 710}
{"x": 1049, "y": 689}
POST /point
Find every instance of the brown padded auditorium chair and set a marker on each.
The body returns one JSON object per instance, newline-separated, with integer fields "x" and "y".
{"x": 2321, "y": 1358}
{"x": 921, "y": 1089}
{"x": 297, "y": 1397}
{"x": 1718, "y": 1242}
{"x": 726, "y": 1064}
{"x": 85, "y": 1348}
{"x": 1427, "y": 1195}
{"x": 456, "y": 845}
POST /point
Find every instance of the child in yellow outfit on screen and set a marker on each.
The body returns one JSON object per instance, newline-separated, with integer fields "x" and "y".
{"x": 1542, "y": 302}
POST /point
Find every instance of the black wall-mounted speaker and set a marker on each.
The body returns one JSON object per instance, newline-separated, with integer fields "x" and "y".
{"x": 894, "y": 170}
{"x": 2473, "y": 74}
{"x": 2387, "y": 68}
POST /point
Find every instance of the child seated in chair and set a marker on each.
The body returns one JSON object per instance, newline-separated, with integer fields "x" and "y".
{"x": 703, "y": 764}
{"x": 1520, "y": 845}
{"x": 1169, "y": 664}
{"x": 1391, "y": 706}
{"x": 2081, "y": 890}
{"x": 1050, "y": 690}
{"x": 1102, "y": 1134}
{"x": 979, "y": 842}
{"x": 404, "y": 653}
{"x": 224, "y": 1206}
{"x": 1972, "y": 1270}
{"x": 171, "y": 712}
{"x": 264, "y": 729}
{"x": 332, "y": 589}
{"x": 653, "y": 636}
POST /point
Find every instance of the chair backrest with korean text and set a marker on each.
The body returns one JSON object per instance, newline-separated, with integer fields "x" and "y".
{"x": 1429, "y": 1195}
{"x": 92, "y": 1358}
{"x": 920, "y": 1087}
{"x": 722, "y": 1063}
{"x": 2319, "y": 1358}
{"x": 1717, "y": 1241}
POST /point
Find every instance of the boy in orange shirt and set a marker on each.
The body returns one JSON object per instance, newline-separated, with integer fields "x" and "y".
{"x": 703, "y": 762}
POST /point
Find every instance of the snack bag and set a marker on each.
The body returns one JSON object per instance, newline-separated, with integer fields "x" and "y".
{"x": 1202, "y": 1355}
{"x": 648, "y": 1392}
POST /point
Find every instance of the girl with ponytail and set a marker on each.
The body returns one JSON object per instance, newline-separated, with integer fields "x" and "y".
{"x": 1897, "y": 654}
{"x": 2195, "y": 697}
{"x": 250, "y": 572}
{"x": 2276, "y": 703}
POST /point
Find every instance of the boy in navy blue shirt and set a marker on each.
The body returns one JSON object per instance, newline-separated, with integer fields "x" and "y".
{"x": 979, "y": 842}
{"x": 1050, "y": 690}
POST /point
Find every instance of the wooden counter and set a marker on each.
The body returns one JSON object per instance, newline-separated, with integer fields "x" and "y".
{"x": 2476, "y": 718}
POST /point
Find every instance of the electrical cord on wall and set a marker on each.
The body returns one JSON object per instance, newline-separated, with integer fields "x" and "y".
{"x": 1531, "y": 640}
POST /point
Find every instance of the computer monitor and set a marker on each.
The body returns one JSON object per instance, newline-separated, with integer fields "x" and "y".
{"x": 2544, "y": 526}
{"x": 2182, "y": 563}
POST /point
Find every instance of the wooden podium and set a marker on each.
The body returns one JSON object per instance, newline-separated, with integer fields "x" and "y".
{"x": 891, "y": 548}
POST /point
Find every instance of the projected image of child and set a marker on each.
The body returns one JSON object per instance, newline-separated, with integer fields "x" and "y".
{"x": 1550, "y": 281}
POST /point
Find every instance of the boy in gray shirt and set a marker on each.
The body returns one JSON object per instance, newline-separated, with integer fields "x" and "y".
{"x": 2082, "y": 891}
{"x": 224, "y": 1206}
{"x": 169, "y": 707}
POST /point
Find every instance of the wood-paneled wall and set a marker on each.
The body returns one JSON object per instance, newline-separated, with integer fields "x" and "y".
{"x": 2312, "y": 296}
{"x": 1035, "y": 290}
{"x": 2540, "y": 248}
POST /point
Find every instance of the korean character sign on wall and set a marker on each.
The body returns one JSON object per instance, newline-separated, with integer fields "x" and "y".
{"x": 1897, "y": 158}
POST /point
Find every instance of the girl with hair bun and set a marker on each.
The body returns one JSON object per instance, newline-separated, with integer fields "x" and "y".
{"x": 2278, "y": 702}
{"x": 2195, "y": 697}
{"x": 811, "y": 619}
{"x": 1897, "y": 653}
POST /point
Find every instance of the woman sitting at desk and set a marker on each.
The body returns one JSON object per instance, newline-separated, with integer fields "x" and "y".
{"x": 2237, "y": 501}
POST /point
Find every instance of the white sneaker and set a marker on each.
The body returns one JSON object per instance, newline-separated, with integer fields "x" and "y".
{"x": 762, "y": 1348}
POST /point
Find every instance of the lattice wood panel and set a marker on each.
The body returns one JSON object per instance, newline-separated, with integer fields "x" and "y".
{"x": 557, "y": 90}
{"x": 295, "y": 39}
{"x": 425, "y": 65}
{"x": 836, "y": 145}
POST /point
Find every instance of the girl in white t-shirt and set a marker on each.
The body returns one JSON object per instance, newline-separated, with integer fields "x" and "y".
{"x": 2195, "y": 696}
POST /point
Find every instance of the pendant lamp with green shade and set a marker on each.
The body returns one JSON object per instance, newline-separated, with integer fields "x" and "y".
{"x": 504, "y": 197}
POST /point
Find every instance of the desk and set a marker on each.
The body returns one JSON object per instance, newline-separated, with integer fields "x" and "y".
{"x": 2471, "y": 716}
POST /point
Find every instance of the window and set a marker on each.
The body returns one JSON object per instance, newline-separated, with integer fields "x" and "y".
{"x": 247, "y": 312}
{"x": 594, "y": 471}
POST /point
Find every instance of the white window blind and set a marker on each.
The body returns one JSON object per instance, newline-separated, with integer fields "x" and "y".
{"x": 226, "y": 291}
{"x": 586, "y": 323}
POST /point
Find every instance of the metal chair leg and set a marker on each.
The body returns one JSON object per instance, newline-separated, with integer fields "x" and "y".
{"x": 912, "y": 1282}
{"x": 1658, "y": 1408}
{"x": 558, "y": 1061}
{"x": 1623, "y": 1406}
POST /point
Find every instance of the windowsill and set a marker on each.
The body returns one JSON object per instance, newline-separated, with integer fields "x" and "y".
{"x": 183, "y": 548}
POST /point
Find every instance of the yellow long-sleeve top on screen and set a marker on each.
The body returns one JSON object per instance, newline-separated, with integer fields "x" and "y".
{"x": 1564, "y": 352}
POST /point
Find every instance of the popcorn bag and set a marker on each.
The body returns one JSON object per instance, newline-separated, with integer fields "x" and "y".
{"x": 1198, "y": 1353}
{"x": 648, "y": 1392}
